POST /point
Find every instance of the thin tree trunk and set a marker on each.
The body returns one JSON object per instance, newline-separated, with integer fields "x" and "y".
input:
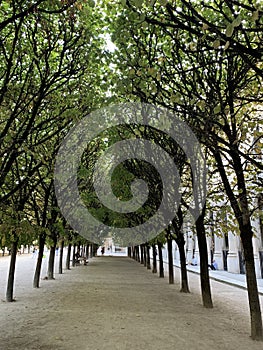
{"x": 133, "y": 253}
{"x": 160, "y": 253}
{"x": 254, "y": 305}
{"x": 94, "y": 249}
{"x": 51, "y": 261}
{"x": 60, "y": 268}
{"x": 154, "y": 269}
{"x": 87, "y": 251}
{"x": 41, "y": 243}
{"x": 242, "y": 214}
{"x": 170, "y": 259}
{"x": 73, "y": 255}
{"x": 184, "y": 280}
{"x": 129, "y": 252}
{"x": 204, "y": 274}
{"x": 148, "y": 257}
{"x": 138, "y": 253}
{"x": 68, "y": 257}
{"x": 11, "y": 275}
{"x": 91, "y": 250}
{"x": 142, "y": 255}
{"x": 145, "y": 255}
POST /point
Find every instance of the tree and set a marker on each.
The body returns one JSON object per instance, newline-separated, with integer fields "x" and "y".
{"x": 173, "y": 64}
{"x": 47, "y": 84}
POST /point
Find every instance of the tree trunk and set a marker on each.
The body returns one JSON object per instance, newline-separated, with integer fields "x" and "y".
{"x": 94, "y": 249}
{"x": 254, "y": 305}
{"x": 142, "y": 255}
{"x": 129, "y": 252}
{"x": 87, "y": 251}
{"x": 160, "y": 253}
{"x": 68, "y": 257}
{"x": 133, "y": 252}
{"x": 242, "y": 213}
{"x": 41, "y": 243}
{"x": 11, "y": 275}
{"x": 204, "y": 274}
{"x": 138, "y": 253}
{"x": 148, "y": 257}
{"x": 51, "y": 261}
{"x": 145, "y": 255}
{"x": 73, "y": 255}
{"x": 60, "y": 269}
{"x": 154, "y": 269}
{"x": 170, "y": 260}
{"x": 184, "y": 280}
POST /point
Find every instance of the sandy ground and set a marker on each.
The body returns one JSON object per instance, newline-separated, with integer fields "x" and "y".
{"x": 115, "y": 303}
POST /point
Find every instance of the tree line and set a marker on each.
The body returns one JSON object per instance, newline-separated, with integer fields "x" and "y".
{"x": 200, "y": 60}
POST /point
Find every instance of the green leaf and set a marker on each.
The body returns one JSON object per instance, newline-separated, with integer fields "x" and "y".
{"x": 237, "y": 21}
{"x": 176, "y": 97}
{"x": 227, "y": 45}
{"x": 229, "y": 30}
{"x": 216, "y": 44}
{"x": 137, "y": 3}
{"x": 217, "y": 109}
{"x": 255, "y": 15}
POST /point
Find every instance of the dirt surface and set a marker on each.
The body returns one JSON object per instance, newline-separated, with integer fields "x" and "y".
{"x": 115, "y": 303}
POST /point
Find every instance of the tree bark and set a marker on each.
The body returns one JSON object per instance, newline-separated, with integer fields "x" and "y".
{"x": 137, "y": 253}
{"x": 129, "y": 252}
{"x": 204, "y": 274}
{"x": 154, "y": 269}
{"x": 60, "y": 268}
{"x": 148, "y": 264}
{"x": 184, "y": 279}
{"x": 51, "y": 261}
{"x": 91, "y": 250}
{"x": 87, "y": 251}
{"x": 11, "y": 275}
{"x": 242, "y": 213}
{"x": 73, "y": 255}
{"x": 142, "y": 254}
{"x": 94, "y": 249}
{"x": 133, "y": 253}
{"x": 145, "y": 255}
{"x": 41, "y": 243}
{"x": 160, "y": 253}
{"x": 68, "y": 257}
{"x": 254, "y": 305}
{"x": 170, "y": 259}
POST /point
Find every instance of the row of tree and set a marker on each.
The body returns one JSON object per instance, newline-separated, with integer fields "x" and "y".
{"x": 200, "y": 60}
{"x": 51, "y": 74}
{"x": 203, "y": 60}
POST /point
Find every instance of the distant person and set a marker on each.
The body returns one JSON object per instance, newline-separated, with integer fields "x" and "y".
{"x": 102, "y": 250}
{"x": 213, "y": 266}
{"x": 194, "y": 261}
{"x": 34, "y": 252}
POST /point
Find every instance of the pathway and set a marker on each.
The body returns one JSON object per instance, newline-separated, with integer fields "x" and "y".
{"x": 114, "y": 303}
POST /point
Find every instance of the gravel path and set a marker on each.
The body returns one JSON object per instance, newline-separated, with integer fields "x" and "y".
{"x": 114, "y": 303}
